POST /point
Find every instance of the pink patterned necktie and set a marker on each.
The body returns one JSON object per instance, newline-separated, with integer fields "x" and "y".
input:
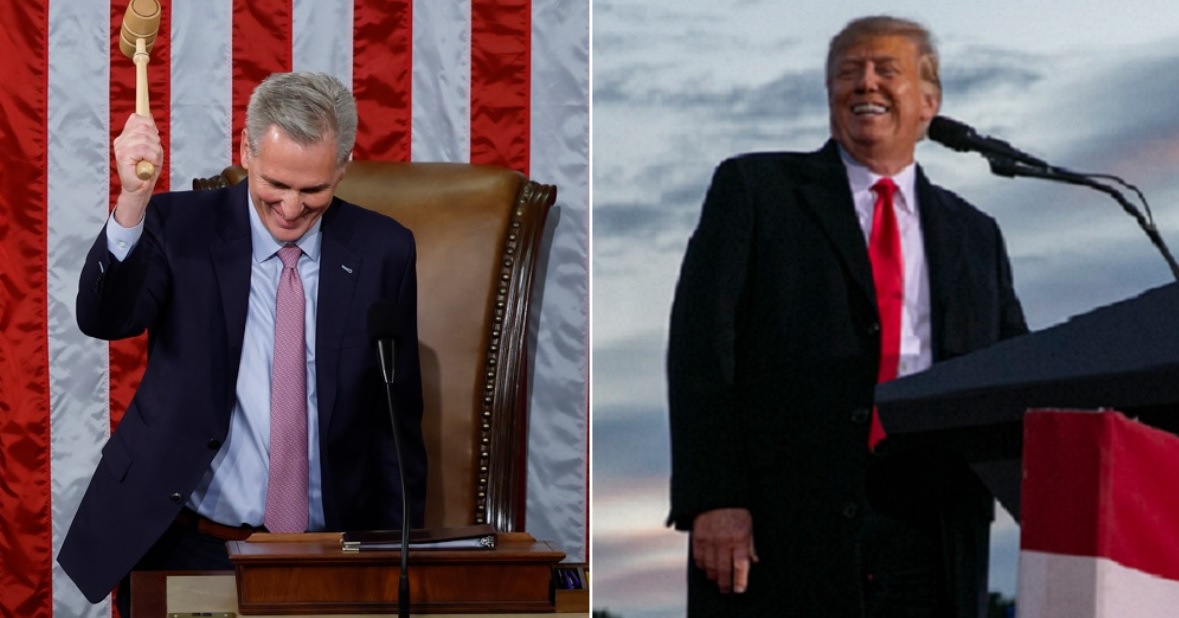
{"x": 286, "y": 494}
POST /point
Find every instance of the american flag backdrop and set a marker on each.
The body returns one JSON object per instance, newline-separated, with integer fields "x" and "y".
{"x": 486, "y": 81}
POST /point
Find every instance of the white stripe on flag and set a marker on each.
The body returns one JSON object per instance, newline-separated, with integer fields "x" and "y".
{"x": 201, "y": 137}
{"x": 78, "y": 164}
{"x": 1059, "y": 586}
{"x": 559, "y": 154}
{"x": 441, "y": 109}
{"x": 322, "y": 33}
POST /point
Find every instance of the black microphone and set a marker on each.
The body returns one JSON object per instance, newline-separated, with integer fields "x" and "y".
{"x": 383, "y": 329}
{"x": 961, "y": 137}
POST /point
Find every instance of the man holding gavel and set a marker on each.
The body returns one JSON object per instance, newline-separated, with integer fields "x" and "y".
{"x": 262, "y": 404}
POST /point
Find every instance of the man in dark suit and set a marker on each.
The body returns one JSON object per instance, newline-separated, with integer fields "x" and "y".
{"x": 263, "y": 404}
{"x": 790, "y": 307}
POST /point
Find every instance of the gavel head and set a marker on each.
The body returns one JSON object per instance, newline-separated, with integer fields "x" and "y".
{"x": 142, "y": 21}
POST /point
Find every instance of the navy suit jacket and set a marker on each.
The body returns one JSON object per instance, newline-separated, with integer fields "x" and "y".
{"x": 187, "y": 282}
{"x": 773, "y": 353}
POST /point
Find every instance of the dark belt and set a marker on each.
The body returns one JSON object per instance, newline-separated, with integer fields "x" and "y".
{"x": 190, "y": 520}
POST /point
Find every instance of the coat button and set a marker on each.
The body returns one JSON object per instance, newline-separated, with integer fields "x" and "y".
{"x": 214, "y": 444}
{"x": 175, "y": 498}
{"x": 873, "y": 328}
{"x": 851, "y": 510}
{"x": 861, "y": 415}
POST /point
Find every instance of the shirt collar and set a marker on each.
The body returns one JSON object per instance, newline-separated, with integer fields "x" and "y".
{"x": 861, "y": 179}
{"x": 265, "y": 246}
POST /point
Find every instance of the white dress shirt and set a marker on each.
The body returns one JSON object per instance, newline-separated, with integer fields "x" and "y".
{"x": 233, "y": 490}
{"x": 916, "y": 349}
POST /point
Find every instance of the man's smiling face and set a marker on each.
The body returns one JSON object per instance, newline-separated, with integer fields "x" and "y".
{"x": 291, "y": 184}
{"x": 878, "y": 102}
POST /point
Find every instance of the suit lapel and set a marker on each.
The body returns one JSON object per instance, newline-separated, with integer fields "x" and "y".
{"x": 940, "y": 227}
{"x": 339, "y": 270}
{"x": 230, "y": 254}
{"x": 827, "y": 195}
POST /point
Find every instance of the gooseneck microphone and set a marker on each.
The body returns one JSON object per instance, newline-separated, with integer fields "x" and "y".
{"x": 382, "y": 329}
{"x": 963, "y": 138}
{"x": 1007, "y": 160}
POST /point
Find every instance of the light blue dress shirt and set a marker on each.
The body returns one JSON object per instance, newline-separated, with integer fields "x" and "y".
{"x": 233, "y": 490}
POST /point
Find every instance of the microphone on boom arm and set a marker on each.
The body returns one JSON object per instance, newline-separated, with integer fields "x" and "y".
{"x": 383, "y": 330}
{"x": 1007, "y": 160}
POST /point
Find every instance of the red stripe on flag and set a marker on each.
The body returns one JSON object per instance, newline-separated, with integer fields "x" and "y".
{"x": 128, "y": 356}
{"x": 1100, "y": 485}
{"x": 382, "y": 78}
{"x": 26, "y": 553}
{"x": 501, "y": 71}
{"x": 262, "y": 34}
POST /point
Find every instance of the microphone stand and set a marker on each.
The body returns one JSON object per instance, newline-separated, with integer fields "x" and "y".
{"x": 403, "y": 581}
{"x": 1003, "y": 166}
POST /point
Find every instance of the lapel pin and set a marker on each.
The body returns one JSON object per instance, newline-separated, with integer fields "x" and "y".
{"x": 346, "y": 269}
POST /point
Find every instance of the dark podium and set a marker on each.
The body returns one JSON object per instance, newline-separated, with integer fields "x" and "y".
{"x": 1124, "y": 356}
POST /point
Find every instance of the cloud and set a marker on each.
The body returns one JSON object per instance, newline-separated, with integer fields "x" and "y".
{"x": 981, "y": 70}
{"x": 639, "y": 564}
{"x": 642, "y": 574}
{"x": 635, "y": 445}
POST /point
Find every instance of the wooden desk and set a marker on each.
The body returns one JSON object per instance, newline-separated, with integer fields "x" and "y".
{"x": 155, "y": 593}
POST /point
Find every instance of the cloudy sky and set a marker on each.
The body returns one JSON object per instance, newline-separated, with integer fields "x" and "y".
{"x": 680, "y": 85}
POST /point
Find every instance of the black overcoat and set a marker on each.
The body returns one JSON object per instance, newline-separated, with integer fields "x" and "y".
{"x": 772, "y": 363}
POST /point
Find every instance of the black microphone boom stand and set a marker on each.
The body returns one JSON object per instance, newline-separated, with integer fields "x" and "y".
{"x": 1003, "y": 166}
{"x": 403, "y": 581}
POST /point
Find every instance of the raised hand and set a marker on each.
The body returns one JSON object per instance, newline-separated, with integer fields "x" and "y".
{"x": 139, "y": 141}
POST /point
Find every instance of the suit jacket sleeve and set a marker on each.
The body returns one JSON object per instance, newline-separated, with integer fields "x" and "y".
{"x": 117, "y": 299}
{"x": 708, "y": 468}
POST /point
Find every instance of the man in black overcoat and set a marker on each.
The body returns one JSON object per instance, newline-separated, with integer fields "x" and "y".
{"x": 776, "y": 346}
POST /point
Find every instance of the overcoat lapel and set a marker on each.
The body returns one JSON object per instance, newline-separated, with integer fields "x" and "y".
{"x": 339, "y": 270}
{"x": 827, "y": 196}
{"x": 941, "y": 227}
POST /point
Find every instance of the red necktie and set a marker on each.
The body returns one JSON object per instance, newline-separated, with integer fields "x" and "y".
{"x": 286, "y": 493}
{"x": 888, "y": 273}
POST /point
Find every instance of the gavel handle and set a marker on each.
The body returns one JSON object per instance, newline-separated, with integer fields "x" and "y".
{"x": 144, "y": 169}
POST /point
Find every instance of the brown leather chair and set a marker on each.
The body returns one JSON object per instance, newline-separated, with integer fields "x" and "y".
{"x": 478, "y": 231}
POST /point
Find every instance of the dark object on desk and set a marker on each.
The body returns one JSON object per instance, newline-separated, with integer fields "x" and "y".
{"x": 573, "y": 593}
{"x": 466, "y": 537}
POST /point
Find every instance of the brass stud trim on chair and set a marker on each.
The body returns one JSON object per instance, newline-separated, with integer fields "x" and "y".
{"x": 528, "y": 198}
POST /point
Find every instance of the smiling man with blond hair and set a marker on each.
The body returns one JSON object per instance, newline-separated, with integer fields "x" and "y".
{"x": 810, "y": 278}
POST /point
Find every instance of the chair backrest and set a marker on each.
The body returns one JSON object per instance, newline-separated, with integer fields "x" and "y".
{"x": 478, "y": 231}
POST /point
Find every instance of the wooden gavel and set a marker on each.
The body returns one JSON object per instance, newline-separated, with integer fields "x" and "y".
{"x": 141, "y": 23}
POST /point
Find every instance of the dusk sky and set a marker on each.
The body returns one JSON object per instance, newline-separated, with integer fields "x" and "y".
{"x": 679, "y": 85}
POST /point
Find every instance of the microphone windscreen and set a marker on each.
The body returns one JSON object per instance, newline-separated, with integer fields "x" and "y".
{"x": 949, "y": 132}
{"x": 382, "y": 320}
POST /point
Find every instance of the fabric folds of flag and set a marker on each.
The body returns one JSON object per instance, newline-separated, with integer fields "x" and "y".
{"x": 502, "y": 82}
